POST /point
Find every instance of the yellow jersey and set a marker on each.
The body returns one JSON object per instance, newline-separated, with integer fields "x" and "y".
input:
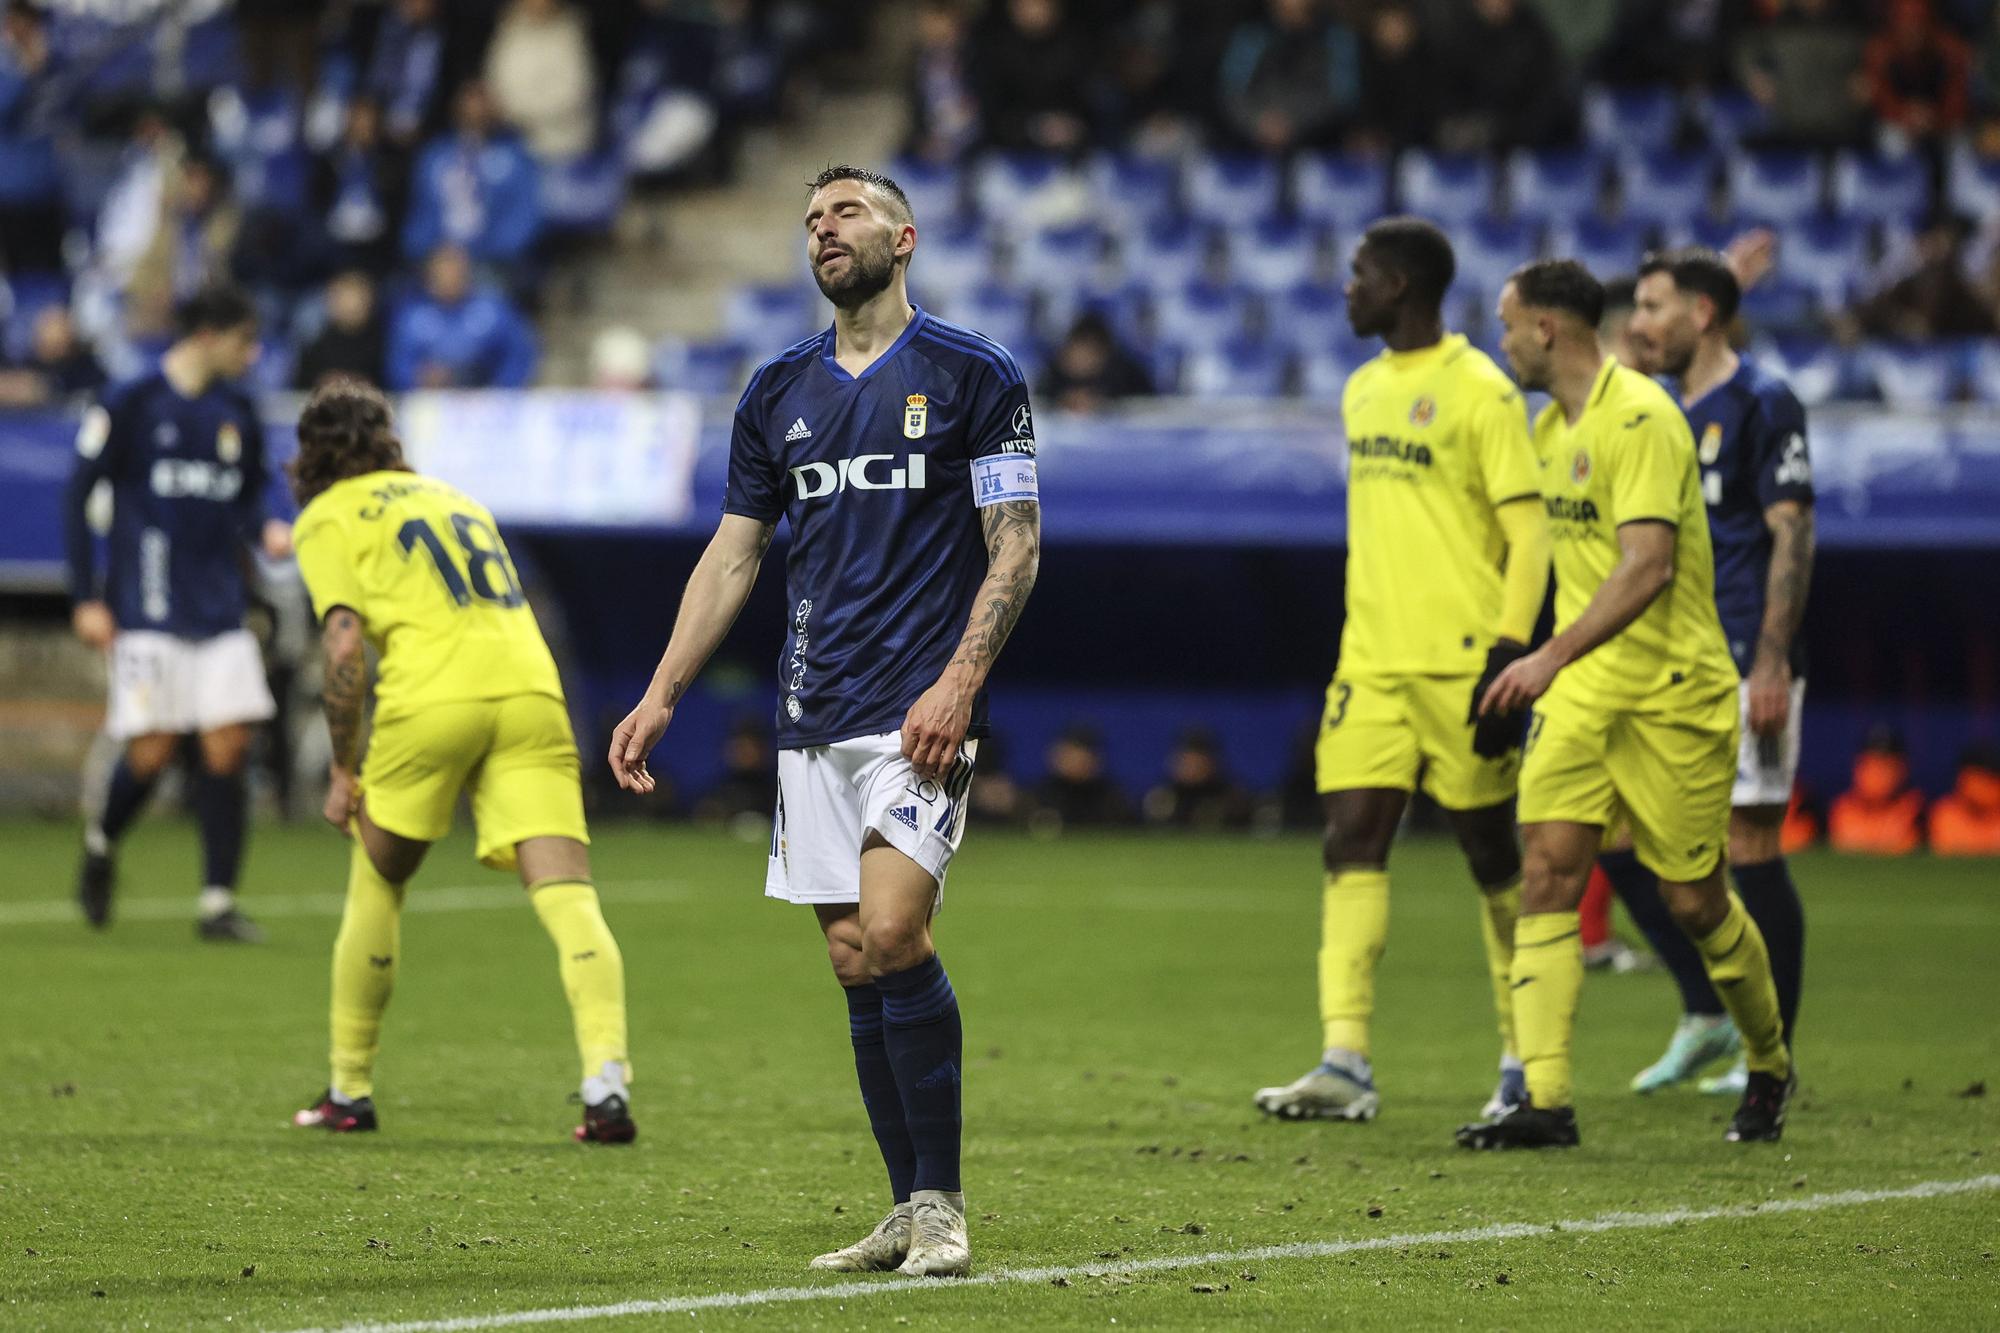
{"x": 1630, "y": 456}
{"x": 1437, "y": 439}
{"x": 423, "y": 565}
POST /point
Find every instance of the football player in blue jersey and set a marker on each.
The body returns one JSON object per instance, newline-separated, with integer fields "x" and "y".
{"x": 900, "y": 450}
{"x": 1756, "y": 476}
{"x": 182, "y": 453}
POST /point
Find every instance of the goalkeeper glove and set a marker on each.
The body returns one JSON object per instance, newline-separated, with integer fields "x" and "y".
{"x": 1495, "y": 733}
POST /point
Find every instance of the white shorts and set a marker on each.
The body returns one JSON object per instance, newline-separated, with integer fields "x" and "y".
{"x": 1766, "y": 766}
{"x": 831, "y": 796}
{"x": 161, "y": 683}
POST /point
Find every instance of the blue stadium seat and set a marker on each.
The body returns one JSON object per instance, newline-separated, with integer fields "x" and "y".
{"x": 1623, "y": 120}
{"x": 1782, "y": 304}
{"x": 1554, "y": 185}
{"x": 1781, "y": 185}
{"x": 713, "y": 369}
{"x": 1729, "y": 116}
{"x": 1448, "y": 188}
{"x": 1164, "y": 363}
{"x": 1664, "y": 188}
{"x": 936, "y": 190}
{"x": 1916, "y": 375}
{"x": 1323, "y": 373}
{"x": 1817, "y": 369}
{"x": 1003, "y": 313}
{"x": 1973, "y": 183}
{"x": 583, "y": 196}
{"x": 1200, "y": 314}
{"x": 1310, "y": 317}
{"x": 1880, "y": 189}
{"x": 1828, "y": 254}
{"x": 1274, "y": 253}
{"x": 1606, "y": 248}
{"x": 1710, "y": 231}
{"x": 1341, "y": 190}
{"x": 1488, "y": 250}
{"x": 1239, "y": 367}
{"x": 1168, "y": 254}
{"x": 1131, "y": 192}
{"x": 1003, "y": 182}
{"x": 768, "y": 318}
{"x": 1984, "y": 371}
{"x": 1059, "y": 258}
{"x": 1227, "y": 188}
{"x": 952, "y": 257}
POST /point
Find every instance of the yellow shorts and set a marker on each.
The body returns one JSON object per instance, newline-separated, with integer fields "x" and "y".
{"x": 516, "y": 756}
{"x": 1382, "y": 731}
{"x": 1669, "y": 774}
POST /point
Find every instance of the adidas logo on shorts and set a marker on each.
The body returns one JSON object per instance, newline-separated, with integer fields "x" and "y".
{"x": 906, "y": 815}
{"x": 799, "y": 431}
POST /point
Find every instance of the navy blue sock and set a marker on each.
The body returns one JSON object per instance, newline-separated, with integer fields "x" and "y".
{"x": 1639, "y": 889}
{"x": 124, "y": 798}
{"x": 1773, "y": 903}
{"x": 219, "y": 803}
{"x": 925, "y": 1041}
{"x": 878, "y": 1088}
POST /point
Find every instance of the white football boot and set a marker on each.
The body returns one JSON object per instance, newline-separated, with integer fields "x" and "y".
{"x": 938, "y": 1247}
{"x": 878, "y": 1251}
{"x": 1341, "y": 1087}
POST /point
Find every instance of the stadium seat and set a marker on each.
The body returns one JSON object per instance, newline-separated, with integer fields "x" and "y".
{"x": 1828, "y": 254}
{"x": 1131, "y": 193}
{"x": 1341, "y": 190}
{"x": 1488, "y": 250}
{"x": 1007, "y": 185}
{"x": 1274, "y": 253}
{"x": 1783, "y": 186}
{"x": 952, "y": 257}
{"x": 1323, "y": 373}
{"x": 1624, "y": 120}
{"x": 1817, "y": 369}
{"x": 1606, "y": 248}
{"x": 583, "y": 196}
{"x": 1228, "y": 188}
{"x": 768, "y": 318}
{"x": 1728, "y": 117}
{"x": 1782, "y": 304}
{"x": 1879, "y": 189}
{"x": 1200, "y": 315}
{"x": 1059, "y": 258}
{"x": 1170, "y": 253}
{"x": 936, "y": 190}
{"x": 1710, "y": 231}
{"x": 1663, "y": 188}
{"x": 713, "y": 368}
{"x": 1448, "y": 188}
{"x": 1554, "y": 185}
{"x": 1309, "y": 318}
{"x": 1973, "y": 183}
{"x": 1915, "y": 375}
{"x": 1003, "y": 313}
{"x": 1238, "y": 367}
{"x": 1984, "y": 371}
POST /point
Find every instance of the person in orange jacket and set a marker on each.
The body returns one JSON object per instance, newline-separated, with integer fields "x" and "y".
{"x": 1965, "y": 821}
{"x": 1881, "y": 812}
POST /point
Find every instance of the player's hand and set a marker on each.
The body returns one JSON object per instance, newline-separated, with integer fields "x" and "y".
{"x": 935, "y": 726}
{"x": 342, "y": 796}
{"x": 1521, "y": 683}
{"x": 1751, "y": 255}
{"x": 634, "y": 740}
{"x": 93, "y": 624}
{"x": 277, "y": 538}
{"x": 1494, "y": 734}
{"x": 1770, "y": 697}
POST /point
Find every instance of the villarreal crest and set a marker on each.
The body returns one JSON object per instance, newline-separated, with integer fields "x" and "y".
{"x": 916, "y": 416}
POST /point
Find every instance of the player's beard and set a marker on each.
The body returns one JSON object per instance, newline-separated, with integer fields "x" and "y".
{"x": 868, "y": 273}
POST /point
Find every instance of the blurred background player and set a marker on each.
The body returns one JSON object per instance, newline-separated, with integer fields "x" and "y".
{"x": 1448, "y": 563}
{"x": 182, "y": 450}
{"x": 1756, "y": 478}
{"x": 884, "y": 680}
{"x": 468, "y": 700}
{"x": 1635, "y": 704}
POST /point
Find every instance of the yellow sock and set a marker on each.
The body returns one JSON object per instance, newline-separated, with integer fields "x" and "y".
{"x": 1354, "y": 927}
{"x": 1740, "y": 966}
{"x": 365, "y": 954}
{"x": 1548, "y": 977}
{"x": 593, "y": 971}
{"x": 1499, "y": 909}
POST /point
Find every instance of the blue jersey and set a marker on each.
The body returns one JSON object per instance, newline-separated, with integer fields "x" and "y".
{"x": 1750, "y": 439}
{"x": 187, "y": 491}
{"x": 880, "y": 477}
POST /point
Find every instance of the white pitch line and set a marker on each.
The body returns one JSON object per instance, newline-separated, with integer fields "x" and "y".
{"x": 1621, "y": 1221}
{"x": 498, "y": 896}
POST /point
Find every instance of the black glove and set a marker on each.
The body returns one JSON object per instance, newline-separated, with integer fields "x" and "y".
{"x": 1496, "y": 733}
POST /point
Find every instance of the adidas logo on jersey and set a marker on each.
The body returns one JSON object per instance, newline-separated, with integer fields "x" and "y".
{"x": 799, "y": 431}
{"x": 906, "y": 815}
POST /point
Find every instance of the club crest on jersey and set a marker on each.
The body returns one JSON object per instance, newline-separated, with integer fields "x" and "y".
{"x": 1579, "y": 468}
{"x": 1711, "y": 443}
{"x": 916, "y": 416}
{"x": 229, "y": 443}
{"x": 1423, "y": 411}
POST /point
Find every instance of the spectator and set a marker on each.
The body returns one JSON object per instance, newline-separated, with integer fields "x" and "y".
{"x": 1918, "y": 72}
{"x": 1685, "y": 43}
{"x": 193, "y": 241}
{"x": 749, "y": 786}
{"x": 404, "y": 70}
{"x": 1881, "y": 812}
{"x": 1197, "y": 794}
{"x": 1032, "y": 74}
{"x": 1400, "y": 93}
{"x": 1291, "y": 79}
{"x": 1165, "y": 54}
{"x": 1966, "y": 820}
{"x": 359, "y": 189}
{"x": 1936, "y": 300}
{"x": 31, "y": 218}
{"x": 668, "y": 111}
{"x": 59, "y": 368}
{"x": 539, "y": 69}
{"x": 1803, "y": 67}
{"x": 944, "y": 111}
{"x": 455, "y": 336}
{"x": 353, "y": 341}
{"x": 1077, "y": 793}
{"x": 995, "y": 797}
{"x": 1090, "y": 370}
{"x": 476, "y": 188}
{"x": 621, "y": 360}
{"x": 1507, "y": 78}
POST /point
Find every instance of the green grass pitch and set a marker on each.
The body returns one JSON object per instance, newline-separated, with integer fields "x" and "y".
{"x": 1123, "y": 998}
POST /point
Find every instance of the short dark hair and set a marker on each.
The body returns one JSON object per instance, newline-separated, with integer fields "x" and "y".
{"x": 1621, "y": 292}
{"x": 1699, "y": 270}
{"x": 873, "y": 179}
{"x": 1560, "y": 284}
{"x": 1418, "y": 250}
{"x": 213, "y": 309}
{"x": 345, "y": 430}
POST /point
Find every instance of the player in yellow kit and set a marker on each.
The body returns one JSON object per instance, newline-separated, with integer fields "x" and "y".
{"x": 1447, "y": 567}
{"x": 467, "y": 700}
{"x": 1635, "y": 704}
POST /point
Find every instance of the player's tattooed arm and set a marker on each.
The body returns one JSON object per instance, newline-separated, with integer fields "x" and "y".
{"x": 1013, "y": 557}
{"x": 346, "y": 684}
{"x": 1785, "y": 587}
